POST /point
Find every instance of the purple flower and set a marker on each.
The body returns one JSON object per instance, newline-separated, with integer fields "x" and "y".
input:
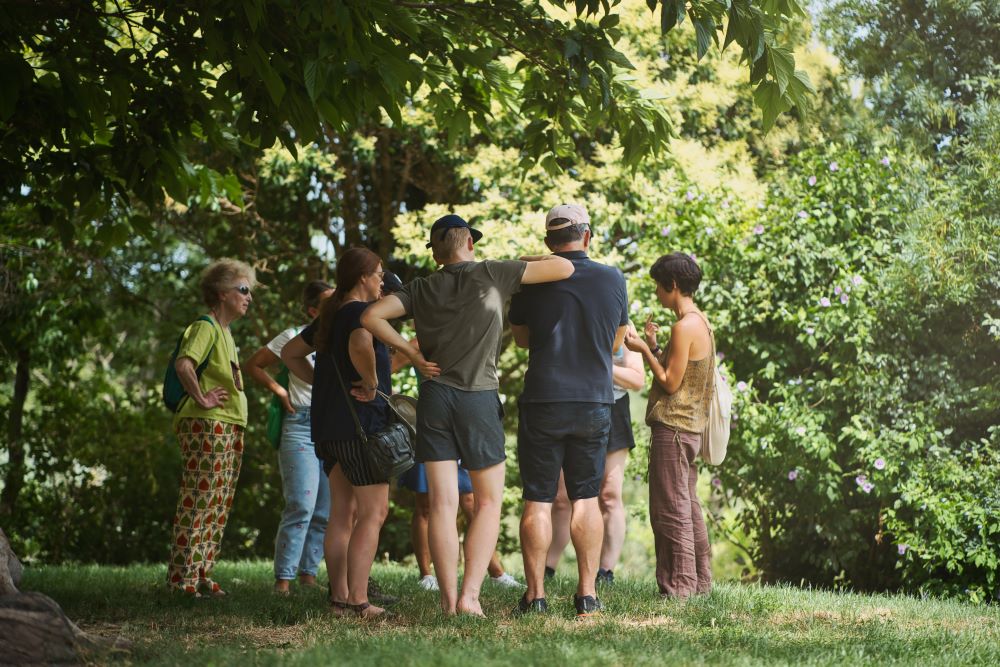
{"x": 792, "y": 474}
{"x": 901, "y": 548}
{"x": 759, "y": 229}
{"x": 690, "y": 195}
{"x": 810, "y": 331}
{"x": 867, "y": 487}
{"x": 693, "y": 256}
{"x": 800, "y": 430}
{"x": 856, "y": 280}
{"x": 716, "y": 482}
{"x": 879, "y": 464}
{"x": 803, "y": 215}
{"x": 721, "y": 355}
{"x": 834, "y": 166}
{"x": 824, "y": 302}
{"x": 844, "y": 298}
{"x": 885, "y": 161}
{"x": 741, "y": 386}
{"x": 665, "y": 231}
{"x": 812, "y": 180}
{"x": 860, "y": 480}
{"x": 837, "y": 290}
{"x": 710, "y": 230}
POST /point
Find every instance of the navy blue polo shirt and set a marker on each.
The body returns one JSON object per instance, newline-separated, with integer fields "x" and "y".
{"x": 572, "y": 323}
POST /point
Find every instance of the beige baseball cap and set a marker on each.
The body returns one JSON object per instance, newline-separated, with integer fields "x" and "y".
{"x": 566, "y": 215}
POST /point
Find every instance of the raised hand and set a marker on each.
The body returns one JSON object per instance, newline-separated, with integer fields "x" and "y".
{"x": 650, "y": 331}
{"x": 633, "y": 342}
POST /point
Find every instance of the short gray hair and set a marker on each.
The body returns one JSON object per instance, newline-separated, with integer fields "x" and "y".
{"x": 223, "y": 274}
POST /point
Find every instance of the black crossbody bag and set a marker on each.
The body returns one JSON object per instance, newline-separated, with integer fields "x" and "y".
{"x": 390, "y": 451}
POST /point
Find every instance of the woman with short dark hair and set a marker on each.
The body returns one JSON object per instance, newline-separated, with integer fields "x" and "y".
{"x": 209, "y": 423}
{"x": 677, "y": 412}
{"x": 298, "y": 545}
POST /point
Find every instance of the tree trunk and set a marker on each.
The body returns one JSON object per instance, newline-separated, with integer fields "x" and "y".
{"x": 34, "y": 630}
{"x": 14, "y": 479}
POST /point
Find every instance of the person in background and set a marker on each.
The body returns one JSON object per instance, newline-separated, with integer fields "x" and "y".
{"x": 629, "y": 375}
{"x": 298, "y": 545}
{"x": 677, "y": 412}
{"x": 209, "y": 424}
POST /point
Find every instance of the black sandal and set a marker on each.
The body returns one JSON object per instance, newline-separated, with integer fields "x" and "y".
{"x": 338, "y": 608}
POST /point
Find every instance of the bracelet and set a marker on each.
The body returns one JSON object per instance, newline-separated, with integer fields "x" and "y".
{"x": 655, "y": 350}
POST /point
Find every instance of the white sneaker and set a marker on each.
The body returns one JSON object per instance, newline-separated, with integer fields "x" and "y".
{"x": 507, "y": 581}
{"x": 429, "y": 583}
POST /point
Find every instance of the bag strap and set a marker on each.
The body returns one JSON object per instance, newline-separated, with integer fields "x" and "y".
{"x": 711, "y": 334}
{"x": 215, "y": 339}
{"x": 347, "y": 397}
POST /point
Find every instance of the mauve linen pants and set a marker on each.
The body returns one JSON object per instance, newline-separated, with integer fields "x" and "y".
{"x": 683, "y": 554}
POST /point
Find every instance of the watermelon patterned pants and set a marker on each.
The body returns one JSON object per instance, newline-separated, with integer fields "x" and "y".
{"x": 211, "y": 452}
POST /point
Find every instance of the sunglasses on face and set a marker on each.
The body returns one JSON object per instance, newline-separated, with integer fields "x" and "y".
{"x": 243, "y": 289}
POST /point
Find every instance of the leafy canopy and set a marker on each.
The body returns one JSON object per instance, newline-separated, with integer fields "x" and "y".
{"x": 105, "y": 103}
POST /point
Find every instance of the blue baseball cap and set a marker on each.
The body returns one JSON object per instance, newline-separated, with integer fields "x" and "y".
{"x": 452, "y": 221}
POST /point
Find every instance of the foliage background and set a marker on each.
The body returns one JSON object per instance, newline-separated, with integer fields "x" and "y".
{"x": 851, "y": 272}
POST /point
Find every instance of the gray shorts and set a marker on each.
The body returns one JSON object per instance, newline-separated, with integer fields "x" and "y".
{"x": 453, "y": 425}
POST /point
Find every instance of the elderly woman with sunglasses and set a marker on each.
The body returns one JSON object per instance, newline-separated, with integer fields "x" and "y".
{"x": 209, "y": 424}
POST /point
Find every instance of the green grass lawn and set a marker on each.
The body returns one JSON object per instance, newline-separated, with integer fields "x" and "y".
{"x": 735, "y": 625}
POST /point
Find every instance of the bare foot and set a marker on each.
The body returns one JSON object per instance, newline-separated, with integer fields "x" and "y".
{"x": 282, "y": 587}
{"x": 470, "y": 607}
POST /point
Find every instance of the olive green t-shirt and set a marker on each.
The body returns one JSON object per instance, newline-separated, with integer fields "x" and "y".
{"x": 458, "y": 315}
{"x": 223, "y": 370}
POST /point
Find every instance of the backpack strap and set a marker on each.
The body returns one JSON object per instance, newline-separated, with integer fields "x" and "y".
{"x": 204, "y": 363}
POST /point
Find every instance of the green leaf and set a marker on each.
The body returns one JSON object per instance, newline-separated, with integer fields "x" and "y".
{"x": 768, "y": 97}
{"x": 704, "y": 31}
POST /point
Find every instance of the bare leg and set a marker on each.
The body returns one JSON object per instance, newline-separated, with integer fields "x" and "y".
{"x": 338, "y": 532}
{"x": 613, "y": 509}
{"x": 373, "y": 506}
{"x": 536, "y": 535}
{"x": 467, "y": 501}
{"x": 561, "y": 512}
{"x": 442, "y": 488}
{"x": 418, "y": 533}
{"x": 481, "y": 537}
{"x": 587, "y": 531}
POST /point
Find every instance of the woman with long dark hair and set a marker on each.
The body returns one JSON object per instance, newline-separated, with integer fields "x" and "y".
{"x": 342, "y": 343}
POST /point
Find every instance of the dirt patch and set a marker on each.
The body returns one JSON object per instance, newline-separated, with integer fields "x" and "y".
{"x": 651, "y": 622}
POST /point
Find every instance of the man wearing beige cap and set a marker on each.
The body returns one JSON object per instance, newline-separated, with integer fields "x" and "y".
{"x": 570, "y": 328}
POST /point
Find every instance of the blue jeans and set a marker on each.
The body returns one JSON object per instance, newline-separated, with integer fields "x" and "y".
{"x": 298, "y": 546}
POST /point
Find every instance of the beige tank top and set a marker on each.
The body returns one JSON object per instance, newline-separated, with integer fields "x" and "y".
{"x": 686, "y": 409}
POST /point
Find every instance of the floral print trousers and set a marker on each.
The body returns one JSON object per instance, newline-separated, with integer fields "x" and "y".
{"x": 211, "y": 452}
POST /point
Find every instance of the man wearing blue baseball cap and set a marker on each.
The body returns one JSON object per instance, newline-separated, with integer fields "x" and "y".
{"x": 458, "y": 316}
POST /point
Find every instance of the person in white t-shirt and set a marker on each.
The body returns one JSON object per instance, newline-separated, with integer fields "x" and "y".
{"x": 298, "y": 546}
